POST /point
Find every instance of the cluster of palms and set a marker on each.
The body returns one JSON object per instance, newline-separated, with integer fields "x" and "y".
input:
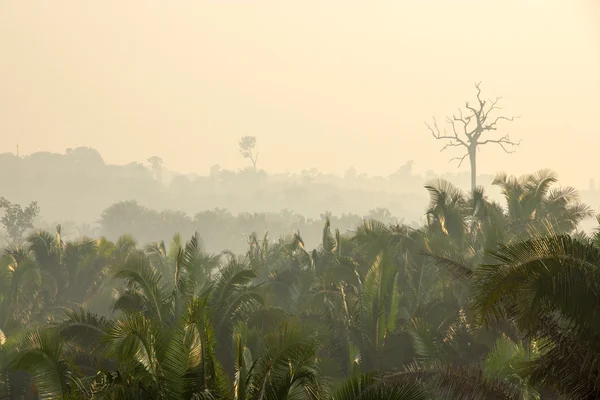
{"x": 483, "y": 302}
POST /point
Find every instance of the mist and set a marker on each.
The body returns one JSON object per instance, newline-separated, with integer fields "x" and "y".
{"x": 321, "y": 85}
{"x": 315, "y": 200}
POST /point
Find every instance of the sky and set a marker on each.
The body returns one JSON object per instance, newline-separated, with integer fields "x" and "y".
{"x": 321, "y": 83}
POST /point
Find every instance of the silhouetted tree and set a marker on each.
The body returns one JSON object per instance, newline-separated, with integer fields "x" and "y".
{"x": 247, "y": 145}
{"x": 469, "y": 127}
{"x": 215, "y": 172}
{"x": 17, "y": 220}
{"x": 157, "y": 166}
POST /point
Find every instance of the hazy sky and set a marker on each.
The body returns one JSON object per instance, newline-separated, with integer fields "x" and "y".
{"x": 325, "y": 84}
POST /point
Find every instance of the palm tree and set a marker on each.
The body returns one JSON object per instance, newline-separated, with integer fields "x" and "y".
{"x": 532, "y": 202}
{"x": 475, "y": 304}
{"x": 286, "y": 366}
{"x": 548, "y": 287}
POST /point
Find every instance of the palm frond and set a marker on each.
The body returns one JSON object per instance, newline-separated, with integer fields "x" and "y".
{"x": 369, "y": 387}
{"x": 461, "y": 382}
{"x": 40, "y": 353}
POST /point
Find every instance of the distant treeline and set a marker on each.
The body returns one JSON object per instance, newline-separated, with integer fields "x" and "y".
{"x": 75, "y": 187}
{"x": 86, "y": 196}
{"x": 219, "y": 228}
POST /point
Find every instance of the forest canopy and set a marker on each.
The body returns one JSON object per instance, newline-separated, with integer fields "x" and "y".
{"x": 299, "y": 200}
{"x": 485, "y": 300}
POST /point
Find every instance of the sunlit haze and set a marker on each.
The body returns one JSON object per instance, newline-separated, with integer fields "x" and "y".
{"x": 324, "y": 84}
{"x": 263, "y": 200}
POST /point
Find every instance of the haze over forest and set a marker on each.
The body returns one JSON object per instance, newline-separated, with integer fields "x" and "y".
{"x": 321, "y": 84}
{"x": 315, "y": 200}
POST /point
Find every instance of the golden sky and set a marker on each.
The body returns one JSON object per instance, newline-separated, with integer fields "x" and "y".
{"x": 320, "y": 83}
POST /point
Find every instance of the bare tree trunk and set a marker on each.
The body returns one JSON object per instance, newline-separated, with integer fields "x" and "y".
{"x": 473, "y": 161}
{"x": 254, "y": 161}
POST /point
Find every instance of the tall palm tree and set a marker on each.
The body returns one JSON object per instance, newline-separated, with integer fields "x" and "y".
{"x": 532, "y": 201}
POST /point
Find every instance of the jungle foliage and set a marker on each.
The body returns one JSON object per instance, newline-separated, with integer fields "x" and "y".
{"x": 485, "y": 301}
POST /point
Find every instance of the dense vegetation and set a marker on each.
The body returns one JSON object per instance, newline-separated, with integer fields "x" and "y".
{"x": 485, "y": 301}
{"x": 219, "y": 228}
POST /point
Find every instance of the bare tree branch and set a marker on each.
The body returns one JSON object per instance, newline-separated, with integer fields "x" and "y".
{"x": 481, "y": 102}
{"x": 493, "y": 107}
{"x": 465, "y": 121}
{"x": 504, "y": 140}
{"x": 459, "y": 159}
{"x": 435, "y": 131}
{"x": 473, "y": 110}
{"x": 451, "y": 121}
{"x": 451, "y": 144}
{"x": 492, "y": 126}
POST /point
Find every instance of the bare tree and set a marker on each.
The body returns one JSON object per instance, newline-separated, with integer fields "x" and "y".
{"x": 469, "y": 129}
{"x": 247, "y": 145}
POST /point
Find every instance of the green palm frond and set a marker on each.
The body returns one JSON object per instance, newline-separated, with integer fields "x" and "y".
{"x": 565, "y": 365}
{"x": 243, "y": 364}
{"x": 327, "y": 241}
{"x": 369, "y": 387}
{"x": 198, "y": 264}
{"x": 447, "y": 208}
{"x": 40, "y": 353}
{"x": 426, "y": 344}
{"x": 549, "y": 286}
{"x": 288, "y": 365}
{"x": 459, "y": 382}
{"x": 506, "y": 361}
{"x": 205, "y": 371}
{"x": 538, "y": 277}
{"x": 457, "y": 267}
{"x": 173, "y": 356}
{"x": 133, "y": 339}
{"x": 144, "y": 287}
